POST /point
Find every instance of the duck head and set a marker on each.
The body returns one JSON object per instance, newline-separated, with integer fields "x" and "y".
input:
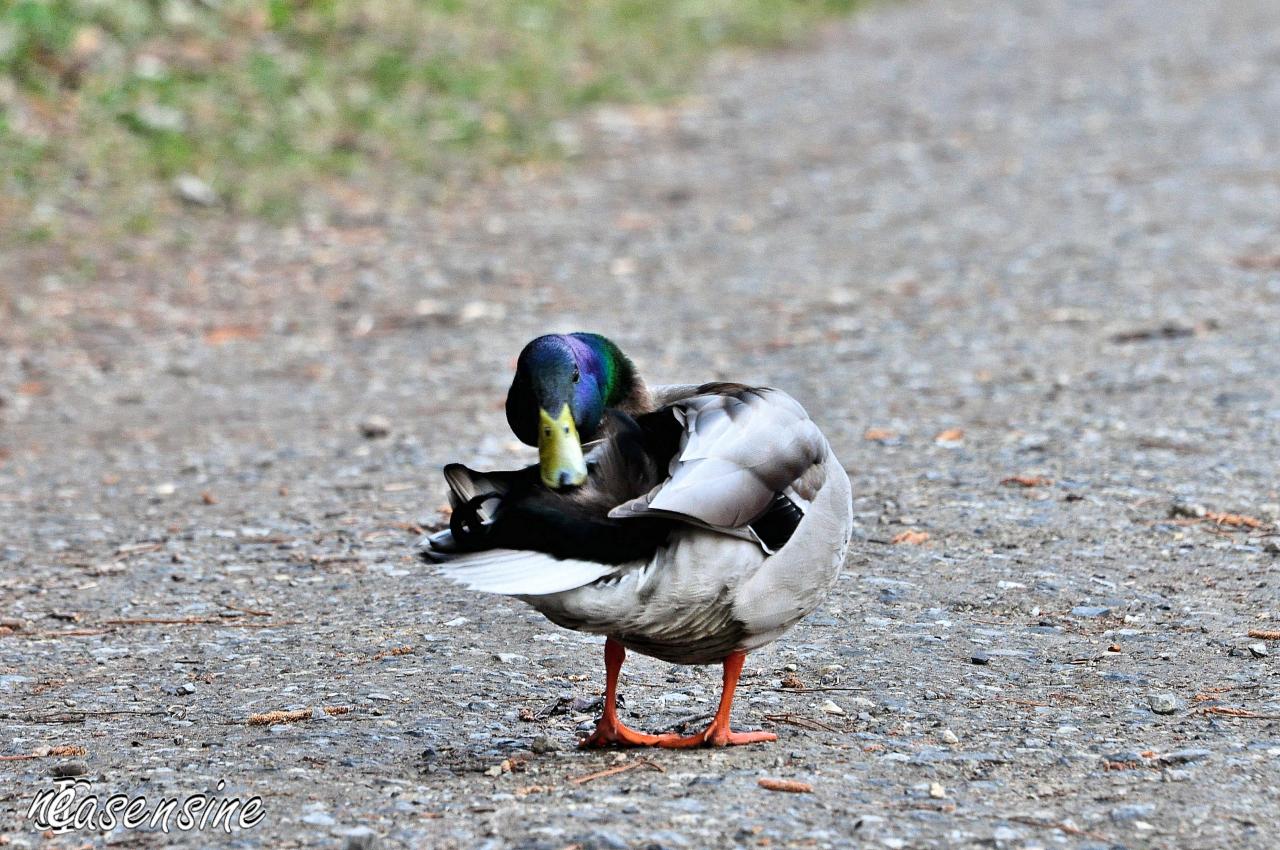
{"x": 563, "y": 384}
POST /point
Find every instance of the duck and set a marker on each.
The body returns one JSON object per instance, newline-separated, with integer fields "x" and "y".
{"x": 693, "y": 523}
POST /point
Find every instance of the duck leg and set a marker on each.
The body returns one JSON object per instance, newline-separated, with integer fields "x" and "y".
{"x": 610, "y": 731}
{"x": 718, "y": 733}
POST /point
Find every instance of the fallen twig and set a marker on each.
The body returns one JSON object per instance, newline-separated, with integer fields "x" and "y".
{"x": 1264, "y": 634}
{"x": 76, "y": 715}
{"x": 614, "y": 771}
{"x": 253, "y": 612}
{"x": 1060, "y": 826}
{"x": 801, "y": 721}
{"x": 130, "y": 549}
{"x": 195, "y": 621}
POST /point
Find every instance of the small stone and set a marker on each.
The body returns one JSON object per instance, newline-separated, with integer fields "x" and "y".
{"x": 68, "y": 768}
{"x": 544, "y": 744}
{"x": 949, "y": 737}
{"x": 375, "y": 427}
{"x": 193, "y": 190}
{"x": 186, "y": 688}
{"x": 1185, "y": 756}
{"x": 1191, "y": 510}
{"x": 509, "y": 657}
{"x": 830, "y": 707}
{"x": 1259, "y": 650}
{"x": 360, "y": 838}
{"x": 1271, "y": 547}
{"x": 1090, "y": 611}
{"x": 496, "y": 770}
{"x": 1132, "y": 812}
{"x": 980, "y": 657}
{"x": 1162, "y": 703}
{"x": 159, "y": 118}
{"x": 936, "y": 790}
{"x": 318, "y": 818}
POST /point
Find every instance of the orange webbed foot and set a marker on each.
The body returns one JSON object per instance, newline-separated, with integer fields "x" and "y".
{"x": 611, "y": 733}
{"x": 714, "y": 736}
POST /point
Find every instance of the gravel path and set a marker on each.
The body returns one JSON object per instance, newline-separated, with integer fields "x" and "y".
{"x": 1012, "y": 238}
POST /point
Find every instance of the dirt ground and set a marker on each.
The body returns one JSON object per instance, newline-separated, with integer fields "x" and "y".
{"x": 1020, "y": 260}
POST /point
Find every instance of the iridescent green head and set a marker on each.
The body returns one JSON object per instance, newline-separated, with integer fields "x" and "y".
{"x": 557, "y": 400}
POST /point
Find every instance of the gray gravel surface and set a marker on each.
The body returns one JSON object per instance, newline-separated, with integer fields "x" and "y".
{"x": 1031, "y": 239}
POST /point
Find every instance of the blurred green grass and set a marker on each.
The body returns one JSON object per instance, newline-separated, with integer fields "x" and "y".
{"x": 104, "y": 102}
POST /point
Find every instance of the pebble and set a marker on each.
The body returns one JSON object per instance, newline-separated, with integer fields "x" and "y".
{"x": 1090, "y": 611}
{"x": 949, "y": 737}
{"x": 1259, "y": 650}
{"x": 1185, "y": 756}
{"x": 1191, "y": 510}
{"x": 160, "y": 118}
{"x": 193, "y": 190}
{"x": 1162, "y": 703}
{"x": 829, "y": 707}
{"x": 544, "y": 744}
{"x": 318, "y": 819}
{"x": 375, "y": 427}
{"x": 980, "y": 657}
{"x": 606, "y": 841}
{"x": 509, "y": 657}
{"x": 937, "y": 791}
{"x": 68, "y": 768}
{"x": 360, "y": 838}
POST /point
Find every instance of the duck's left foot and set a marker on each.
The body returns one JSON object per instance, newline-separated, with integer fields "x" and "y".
{"x": 611, "y": 733}
{"x": 714, "y": 736}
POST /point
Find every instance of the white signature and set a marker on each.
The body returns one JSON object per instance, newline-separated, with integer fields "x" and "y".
{"x": 71, "y": 806}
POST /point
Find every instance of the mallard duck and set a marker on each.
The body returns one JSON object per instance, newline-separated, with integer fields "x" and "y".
{"x": 691, "y": 523}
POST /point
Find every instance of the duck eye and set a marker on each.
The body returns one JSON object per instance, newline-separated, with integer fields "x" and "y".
{"x": 577, "y": 376}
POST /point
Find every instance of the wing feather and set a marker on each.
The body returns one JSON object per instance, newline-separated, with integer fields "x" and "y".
{"x": 522, "y": 573}
{"x": 741, "y": 446}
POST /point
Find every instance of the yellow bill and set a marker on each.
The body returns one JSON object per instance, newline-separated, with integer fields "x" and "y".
{"x": 560, "y": 450}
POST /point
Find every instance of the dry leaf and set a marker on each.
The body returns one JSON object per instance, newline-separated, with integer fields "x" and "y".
{"x": 911, "y": 536}
{"x": 951, "y": 435}
{"x": 1229, "y": 712}
{"x": 68, "y": 750}
{"x": 791, "y": 786}
{"x": 1027, "y": 481}
{"x": 1260, "y": 262}
{"x": 230, "y": 333}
